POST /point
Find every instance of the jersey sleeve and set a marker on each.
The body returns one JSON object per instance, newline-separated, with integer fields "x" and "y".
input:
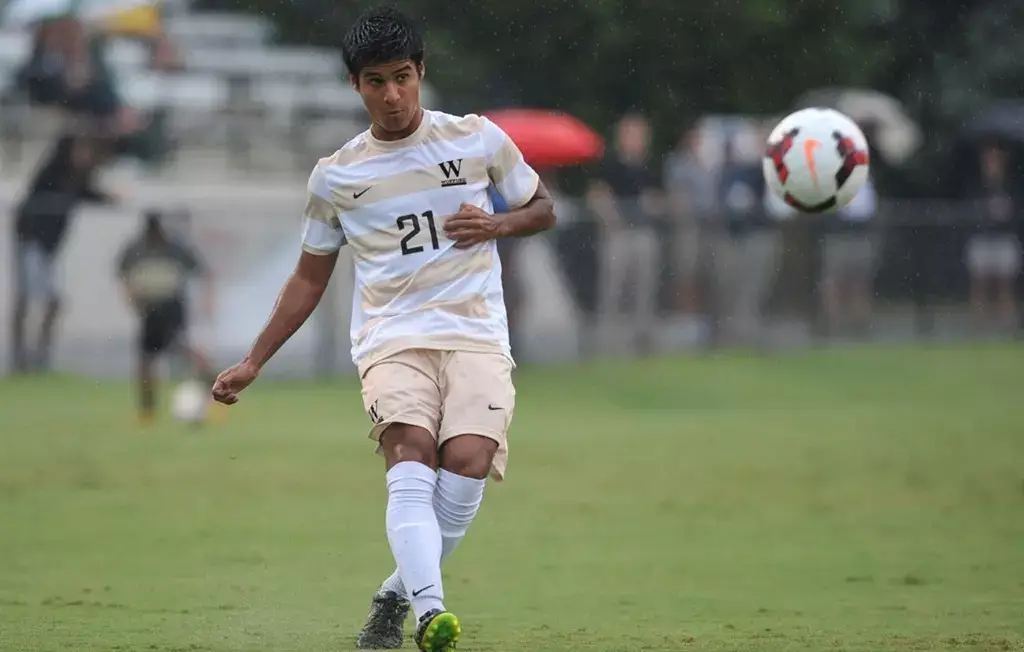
{"x": 511, "y": 175}
{"x": 321, "y": 228}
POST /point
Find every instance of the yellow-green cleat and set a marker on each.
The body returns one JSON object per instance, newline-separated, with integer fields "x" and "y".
{"x": 438, "y": 631}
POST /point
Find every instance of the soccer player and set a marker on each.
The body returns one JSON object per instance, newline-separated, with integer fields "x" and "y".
{"x": 154, "y": 270}
{"x": 429, "y": 333}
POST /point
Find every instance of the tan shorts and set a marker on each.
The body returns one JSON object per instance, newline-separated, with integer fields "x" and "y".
{"x": 448, "y": 393}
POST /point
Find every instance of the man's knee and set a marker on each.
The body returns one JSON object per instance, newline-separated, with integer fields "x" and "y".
{"x": 402, "y": 442}
{"x": 469, "y": 455}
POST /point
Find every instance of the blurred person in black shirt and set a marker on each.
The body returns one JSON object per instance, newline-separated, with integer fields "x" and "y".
{"x": 993, "y": 254}
{"x": 628, "y": 200}
{"x": 690, "y": 188}
{"x": 747, "y": 253}
{"x": 63, "y": 182}
{"x": 155, "y": 270}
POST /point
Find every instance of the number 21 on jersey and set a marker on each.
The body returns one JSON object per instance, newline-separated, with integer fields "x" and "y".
{"x": 411, "y": 222}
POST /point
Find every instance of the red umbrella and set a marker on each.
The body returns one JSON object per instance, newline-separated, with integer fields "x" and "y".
{"x": 549, "y": 138}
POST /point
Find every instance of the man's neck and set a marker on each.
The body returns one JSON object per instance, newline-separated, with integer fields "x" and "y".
{"x": 381, "y": 134}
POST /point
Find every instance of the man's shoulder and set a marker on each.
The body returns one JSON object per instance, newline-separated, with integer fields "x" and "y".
{"x": 451, "y": 126}
{"x": 353, "y": 151}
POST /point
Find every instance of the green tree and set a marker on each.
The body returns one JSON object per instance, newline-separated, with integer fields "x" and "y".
{"x": 677, "y": 60}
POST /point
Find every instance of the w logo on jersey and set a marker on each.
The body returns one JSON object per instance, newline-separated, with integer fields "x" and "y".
{"x": 452, "y": 169}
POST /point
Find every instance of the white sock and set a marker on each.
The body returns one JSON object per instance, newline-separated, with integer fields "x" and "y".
{"x": 456, "y": 502}
{"x": 414, "y": 535}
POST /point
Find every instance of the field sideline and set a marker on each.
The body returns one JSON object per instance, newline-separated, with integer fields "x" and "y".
{"x": 860, "y": 499}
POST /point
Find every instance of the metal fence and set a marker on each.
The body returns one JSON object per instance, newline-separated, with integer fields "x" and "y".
{"x": 704, "y": 279}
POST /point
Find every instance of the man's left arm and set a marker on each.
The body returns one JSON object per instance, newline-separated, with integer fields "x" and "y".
{"x": 531, "y": 208}
{"x": 535, "y": 216}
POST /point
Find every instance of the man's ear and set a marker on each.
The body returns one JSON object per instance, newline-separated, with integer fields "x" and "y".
{"x": 422, "y": 68}
{"x": 354, "y": 81}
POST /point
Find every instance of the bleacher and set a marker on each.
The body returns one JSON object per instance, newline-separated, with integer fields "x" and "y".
{"x": 239, "y": 97}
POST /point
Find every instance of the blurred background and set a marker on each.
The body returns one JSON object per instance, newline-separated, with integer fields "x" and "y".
{"x": 217, "y": 110}
{"x": 736, "y": 428}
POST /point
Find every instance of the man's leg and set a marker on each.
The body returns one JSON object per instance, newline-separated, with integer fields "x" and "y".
{"x": 1005, "y": 284}
{"x": 414, "y": 533}
{"x": 412, "y": 528}
{"x": 457, "y": 496}
{"x": 46, "y": 334}
{"x": 19, "y": 351}
{"x": 402, "y": 397}
{"x": 647, "y": 260}
{"x": 48, "y": 285}
{"x": 978, "y": 268}
{"x": 614, "y": 271}
{"x": 478, "y": 400}
{"x": 152, "y": 341}
{"x": 25, "y": 287}
{"x": 146, "y": 383}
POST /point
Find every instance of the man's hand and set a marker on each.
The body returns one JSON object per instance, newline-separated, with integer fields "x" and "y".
{"x": 232, "y": 381}
{"x": 471, "y": 226}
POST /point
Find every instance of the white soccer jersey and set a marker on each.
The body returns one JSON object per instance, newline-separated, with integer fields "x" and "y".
{"x": 388, "y": 201}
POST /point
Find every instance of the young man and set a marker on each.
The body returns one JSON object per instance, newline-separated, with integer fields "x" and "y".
{"x": 154, "y": 271}
{"x": 429, "y": 332}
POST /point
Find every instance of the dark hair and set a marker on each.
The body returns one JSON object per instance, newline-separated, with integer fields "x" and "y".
{"x": 381, "y": 35}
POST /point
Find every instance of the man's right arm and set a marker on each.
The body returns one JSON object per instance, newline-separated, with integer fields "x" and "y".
{"x": 321, "y": 240}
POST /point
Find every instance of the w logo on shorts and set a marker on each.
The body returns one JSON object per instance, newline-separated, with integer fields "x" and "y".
{"x": 374, "y": 415}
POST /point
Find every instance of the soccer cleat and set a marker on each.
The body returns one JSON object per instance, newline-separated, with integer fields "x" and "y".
{"x": 438, "y": 631}
{"x": 383, "y": 628}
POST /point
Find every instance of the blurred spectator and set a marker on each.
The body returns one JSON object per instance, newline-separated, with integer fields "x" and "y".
{"x": 65, "y": 179}
{"x": 67, "y": 70}
{"x": 993, "y": 253}
{"x": 747, "y": 256}
{"x": 690, "y": 191}
{"x": 849, "y": 264}
{"x": 153, "y": 144}
{"x": 627, "y": 200}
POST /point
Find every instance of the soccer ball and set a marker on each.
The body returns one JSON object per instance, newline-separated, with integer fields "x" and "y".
{"x": 190, "y": 402}
{"x": 816, "y": 160}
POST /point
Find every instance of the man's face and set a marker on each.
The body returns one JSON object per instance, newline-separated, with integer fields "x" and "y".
{"x": 993, "y": 162}
{"x": 633, "y": 137}
{"x": 391, "y": 93}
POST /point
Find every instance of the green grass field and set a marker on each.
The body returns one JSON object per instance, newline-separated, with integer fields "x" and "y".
{"x": 846, "y": 500}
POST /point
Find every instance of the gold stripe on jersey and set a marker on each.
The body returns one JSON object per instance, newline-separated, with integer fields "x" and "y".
{"x": 505, "y": 161}
{"x": 320, "y": 209}
{"x": 316, "y": 251}
{"x": 439, "y": 271}
{"x": 470, "y": 170}
{"x": 471, "y": 306}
